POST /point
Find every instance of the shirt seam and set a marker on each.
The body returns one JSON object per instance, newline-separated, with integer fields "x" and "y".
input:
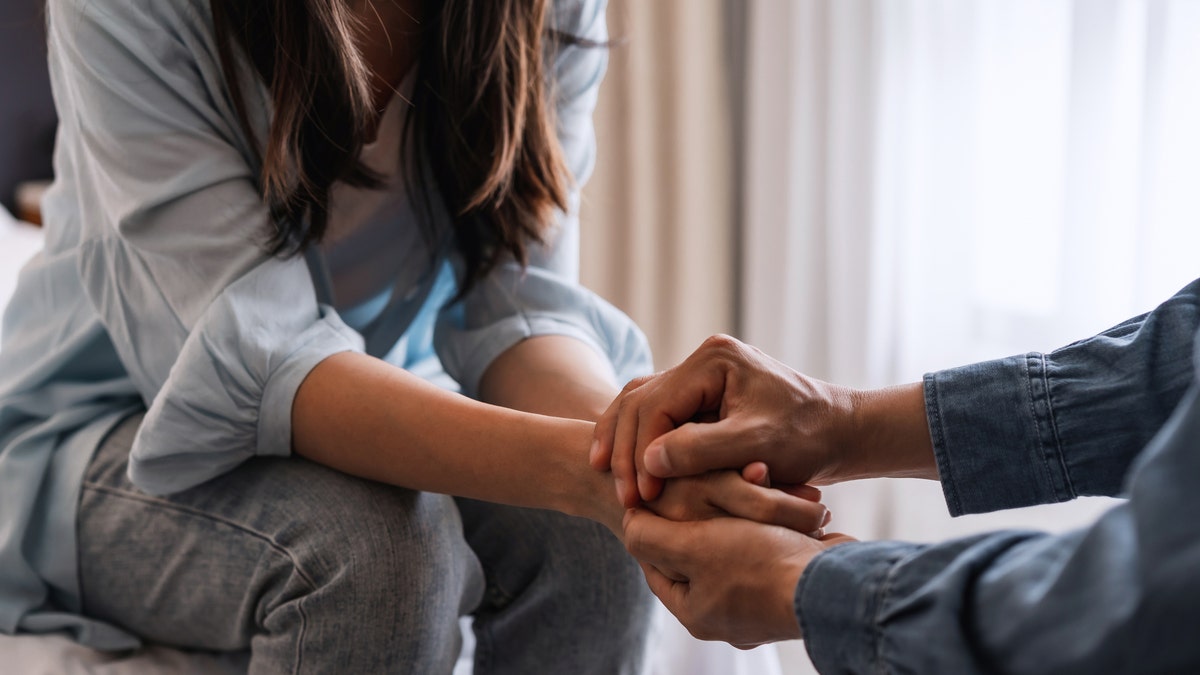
{"x": 885, "y": 592}
{"x": 1053, "y": 421}
{"x": 268, "y": 391}
{"x": 940, "y": 449}
{"x": 1043, "y": 462}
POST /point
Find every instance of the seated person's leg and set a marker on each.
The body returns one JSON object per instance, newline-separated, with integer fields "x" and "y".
{"x": 562, "y": 594}
{"x": 311, "y": 569}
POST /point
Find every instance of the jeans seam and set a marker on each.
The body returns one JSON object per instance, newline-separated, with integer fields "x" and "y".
{"x": 197, "y": 513}
{"x": 147, "y": 499}
{"x": 301, "y": 636}
{"x": 483, "y": 638}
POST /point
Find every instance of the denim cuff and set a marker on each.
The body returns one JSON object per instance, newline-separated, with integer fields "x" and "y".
{"x": 839, "y": 600}
{"x": 994, "y": 435}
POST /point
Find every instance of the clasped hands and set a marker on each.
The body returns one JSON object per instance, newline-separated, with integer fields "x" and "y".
{"x": 738, "y": 439}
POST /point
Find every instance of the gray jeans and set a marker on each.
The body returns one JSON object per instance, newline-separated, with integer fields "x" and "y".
{"x": 315, "y": 571}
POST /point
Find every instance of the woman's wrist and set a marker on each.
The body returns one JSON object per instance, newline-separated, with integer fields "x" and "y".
{"x": 580, "y": 490}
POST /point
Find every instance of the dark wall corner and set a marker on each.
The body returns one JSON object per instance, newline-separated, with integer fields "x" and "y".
{"x": 27, "y": 119}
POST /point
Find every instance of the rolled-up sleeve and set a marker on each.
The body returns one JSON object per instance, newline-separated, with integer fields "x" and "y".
{"x": 215, "y": 334}
{"x": 1043, "y": 428}
{"x": 513, "y": 304}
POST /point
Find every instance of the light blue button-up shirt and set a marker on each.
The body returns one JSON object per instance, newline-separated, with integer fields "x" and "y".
{"x": 154, "y": 290}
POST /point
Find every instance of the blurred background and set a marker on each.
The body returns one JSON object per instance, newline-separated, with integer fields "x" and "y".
{"x": 866, "y": 189}
{"x": 873, "y": 189}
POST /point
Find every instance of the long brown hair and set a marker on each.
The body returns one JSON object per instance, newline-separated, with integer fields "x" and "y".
{"x": 482, "y": 121}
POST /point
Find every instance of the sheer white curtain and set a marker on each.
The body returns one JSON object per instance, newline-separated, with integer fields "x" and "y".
{"x": 935, "y": 182}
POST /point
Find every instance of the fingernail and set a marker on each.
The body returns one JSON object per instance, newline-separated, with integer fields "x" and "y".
{"x": 595, "y": 450}
{"x": 621, "y": 492}
{"x": 656, "y": 460}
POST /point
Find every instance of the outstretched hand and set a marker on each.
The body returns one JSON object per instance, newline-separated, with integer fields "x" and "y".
{"x": 760, "y": 410}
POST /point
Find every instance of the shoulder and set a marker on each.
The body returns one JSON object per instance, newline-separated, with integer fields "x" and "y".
{"x": 582, "y": 18}
{"x": 134, "y": 24}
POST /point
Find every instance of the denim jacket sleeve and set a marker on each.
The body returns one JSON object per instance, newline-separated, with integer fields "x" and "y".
{"x": 545, "y": 298}
{"x": 1117, "y": 597}
{"x": 1043, "y": 428}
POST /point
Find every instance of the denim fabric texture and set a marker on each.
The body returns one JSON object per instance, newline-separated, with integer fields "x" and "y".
{"x": 1117, "y": 414}
{"x": 315, "y": 571}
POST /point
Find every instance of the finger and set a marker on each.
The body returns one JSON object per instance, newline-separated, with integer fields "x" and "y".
{"x": 601, "y": 451}
{"x": 658, "y": 541}
{"x": 654, "y": 420}
{"x": 808, "y": 492}
{"x": 652, "y": 423}
{"x": 695, "y": 387}
{"x": 649, "y": 487}
{"x": 671, "y": 574}
{"x": 602, "y": 446}
{"x": 673, "y": 594}
{"x": 773, "y": 507}
{"x": 836, "y": 538}
{"x": 624, "y": 442}
{"x": 600, "y": 454}
{"x": 758, "y": 474}
{"x": 699, "y": 448}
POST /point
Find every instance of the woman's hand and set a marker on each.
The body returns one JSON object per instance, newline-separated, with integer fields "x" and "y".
{"x": 742, "y": 495}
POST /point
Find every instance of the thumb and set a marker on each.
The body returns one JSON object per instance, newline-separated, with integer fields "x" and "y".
{"x": 757, "y": 473}
{"x": 697, "y": 448}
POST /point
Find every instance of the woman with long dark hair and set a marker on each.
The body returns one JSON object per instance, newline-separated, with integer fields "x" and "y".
{"x": 274, "y": 223}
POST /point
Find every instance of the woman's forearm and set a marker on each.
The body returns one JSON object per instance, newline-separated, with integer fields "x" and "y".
{"x": 364, "y": 417}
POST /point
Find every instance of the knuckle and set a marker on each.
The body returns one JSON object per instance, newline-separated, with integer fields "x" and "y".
{"x": 760, "y": 432}
{"x": 622, "y": 404}
{"x": 635, "y": 384}
{"x": 721, "y": 343}
{"x": 634, "y": 539}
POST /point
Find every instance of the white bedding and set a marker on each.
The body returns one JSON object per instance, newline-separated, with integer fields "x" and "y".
{"x": 673, "y": 651}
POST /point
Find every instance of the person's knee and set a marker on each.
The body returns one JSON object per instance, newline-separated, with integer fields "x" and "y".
{"x": 394, "y": 550}
{"x": 592, "y": 566}
{"x": 556, "y": 560}
{"x": 366, "y": 569}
